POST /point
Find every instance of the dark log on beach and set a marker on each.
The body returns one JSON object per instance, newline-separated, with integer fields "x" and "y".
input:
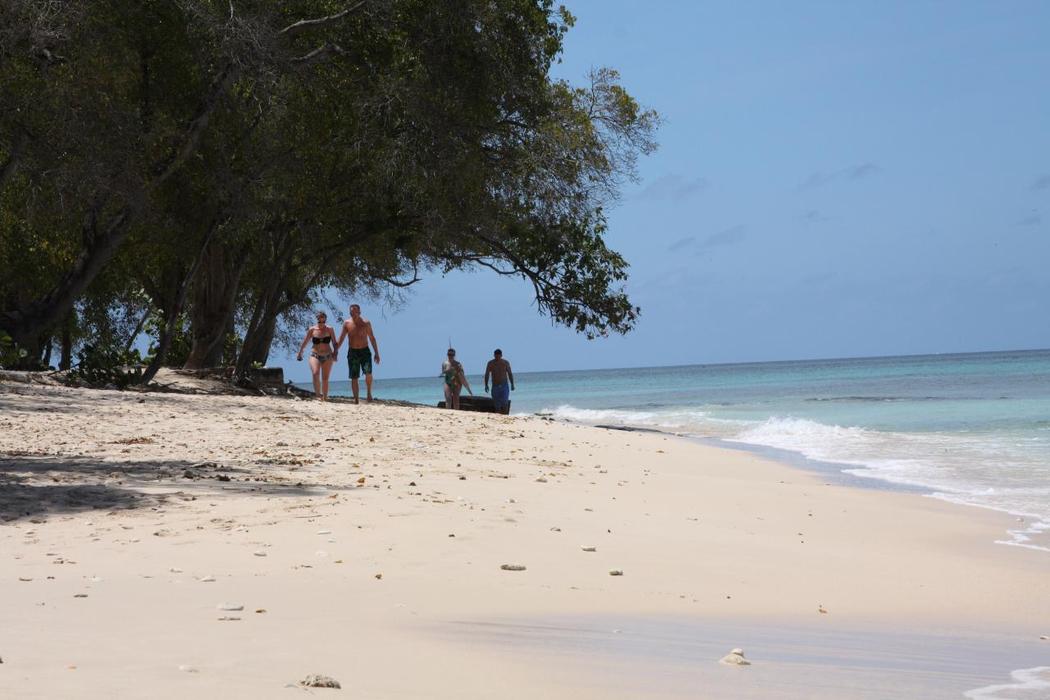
{"x": 482, "y": 404}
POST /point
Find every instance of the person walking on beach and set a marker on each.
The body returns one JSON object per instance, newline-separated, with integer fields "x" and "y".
{"x": 323, "y": 355}
{"x": 500, "y": 371}
{"x": 359, "y": 357}
{"x": 455, "y": 380}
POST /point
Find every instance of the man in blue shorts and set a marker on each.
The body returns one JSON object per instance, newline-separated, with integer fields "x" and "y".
{"x": 499, "y": 369}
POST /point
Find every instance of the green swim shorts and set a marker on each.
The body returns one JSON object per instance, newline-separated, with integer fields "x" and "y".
{"x": 360, "y": 360}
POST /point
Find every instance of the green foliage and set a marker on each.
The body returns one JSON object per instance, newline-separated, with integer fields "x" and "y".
{"x": 104, "y": 366}
{"x": 256, "y": 163}
{"x": 10, "y": 354}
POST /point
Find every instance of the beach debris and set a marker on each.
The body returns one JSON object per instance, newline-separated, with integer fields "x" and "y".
{"x": 589, "y": 547}
{"x": 228, "y": 618}
{"x": 188, "y": 669}
{"x": 555, "y": 529}
{"x": 1044, "y": 637}
{"x": 411, "y": 483}
{"x": 231, "y": 607}
{"x": 542, "y": 480}
{"x": 25, "y": 579}
{"x": 175, "y": 570}
{"x": 361, "y": 480}
{"x": 259, "y": 611}
{"x": 735, "y": 658}
{"x": 462, "y": 478}
{"x": 822, "y": 610}
{"x": 512, "y": 567}
{"x": 324, "y": 532}
{"x": 316, "y": 680}
{"x": 259, "y": 553}
{"x": 615, "y": 572}
{"x": 207, "y": 579}
{"x": 379, "y": 577}
{"x": 80, "y": 595}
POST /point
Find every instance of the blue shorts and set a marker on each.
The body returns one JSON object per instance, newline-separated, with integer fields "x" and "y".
{"x": 500, "y": 395}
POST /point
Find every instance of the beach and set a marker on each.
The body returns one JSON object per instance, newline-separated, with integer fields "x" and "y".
{"x": 163, "y": 545}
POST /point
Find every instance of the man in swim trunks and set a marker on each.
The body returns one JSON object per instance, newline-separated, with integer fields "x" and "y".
{"x": 500, "y": 371}
{"x": 359, "y": 357}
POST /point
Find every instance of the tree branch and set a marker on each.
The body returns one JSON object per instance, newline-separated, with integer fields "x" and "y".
{"x": 305, "y": 24}
{"x": 319, "y": 53}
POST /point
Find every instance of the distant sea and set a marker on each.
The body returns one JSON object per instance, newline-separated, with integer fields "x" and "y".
{"x": 968, "y": 428}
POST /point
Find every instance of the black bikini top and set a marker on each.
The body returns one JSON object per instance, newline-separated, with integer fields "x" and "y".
{"x": 326, "y": 339}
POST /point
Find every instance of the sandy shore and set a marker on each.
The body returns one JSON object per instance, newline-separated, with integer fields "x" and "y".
{"x": 365, "y": 543}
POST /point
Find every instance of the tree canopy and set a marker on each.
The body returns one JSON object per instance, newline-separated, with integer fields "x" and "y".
{"x": 204, "y": 170}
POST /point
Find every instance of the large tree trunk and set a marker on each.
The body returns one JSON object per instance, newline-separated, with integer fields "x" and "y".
{"x": 214, "y": 296}
{"x": 34, "y": 320}
{"x": 66, "y": 361}
{"x": 173, "y": 304}
{"x": 260, "y": 330}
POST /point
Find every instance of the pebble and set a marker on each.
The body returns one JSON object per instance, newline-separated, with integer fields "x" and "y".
{"x": 735, "y": 658}
{"x": 230, "y": 607}
{"x": 616, "y": 572}
{"x": 316, "y": 680}
{"x": 588, "y": 548}
{"x": 512, "y": 567}
{"x": 542, "y": 480}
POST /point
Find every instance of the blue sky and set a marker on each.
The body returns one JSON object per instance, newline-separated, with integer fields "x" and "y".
{"x": 834, "y": 179}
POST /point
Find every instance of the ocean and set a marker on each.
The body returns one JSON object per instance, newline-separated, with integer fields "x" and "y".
{"x": 968, "y": 428}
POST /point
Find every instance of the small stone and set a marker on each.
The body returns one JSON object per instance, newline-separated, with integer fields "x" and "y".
{"x": 411, "y": 483}
{"x": 259, "y": 553}
{"x": 451, "y": 534}
{"x": 260, "y": 610}
{"x": 588, "y": 548}
{"x": 542, "y": 480}
{"x": 735, "y": 658}
{"x": 616, "y": 572}
{"x": 231, "y": 607}
{"x": 24, "y": 579}
{"x": 361, "y": 480}
{"x": 821, "y": 610}
{"x": 379, "y": 577}
{"x": 555, "y": 529}
{"x": 462, "y": 478}
{"x": 512, "y": 567}
{"x": 315, "y": 680}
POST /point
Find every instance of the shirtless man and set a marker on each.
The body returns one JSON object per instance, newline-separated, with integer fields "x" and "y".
{"x": 500, "y": 371}
{"x": 359, "y": 357}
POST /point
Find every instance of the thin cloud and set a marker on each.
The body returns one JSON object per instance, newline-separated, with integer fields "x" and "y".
{"x": 731, "y": 236}
{"x": 852, "y": 173}
{"x": 681, "y": 243}
{"x": 1033, "y": 219}
{"x": 674, "y": 187}
{"x": 1041, "y": 183}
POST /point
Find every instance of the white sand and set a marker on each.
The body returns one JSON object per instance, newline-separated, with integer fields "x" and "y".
{"x": 98, "y": 497}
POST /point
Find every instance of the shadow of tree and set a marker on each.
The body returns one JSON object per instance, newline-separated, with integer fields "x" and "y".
{"x": 35, "y": 486}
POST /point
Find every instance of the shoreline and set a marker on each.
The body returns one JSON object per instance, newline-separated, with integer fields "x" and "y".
{"x": 370, "y": 534}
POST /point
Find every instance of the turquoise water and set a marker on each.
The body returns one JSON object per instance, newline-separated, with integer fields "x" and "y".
{"x": 969, "y": 428}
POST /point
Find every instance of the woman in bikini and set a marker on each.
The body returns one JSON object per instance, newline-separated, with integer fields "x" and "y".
{"x": 455, "y": 380}
{"x": 323, "y": 356}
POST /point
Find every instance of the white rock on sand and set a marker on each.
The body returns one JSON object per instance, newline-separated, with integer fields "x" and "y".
{"x": 735, "y": 658}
